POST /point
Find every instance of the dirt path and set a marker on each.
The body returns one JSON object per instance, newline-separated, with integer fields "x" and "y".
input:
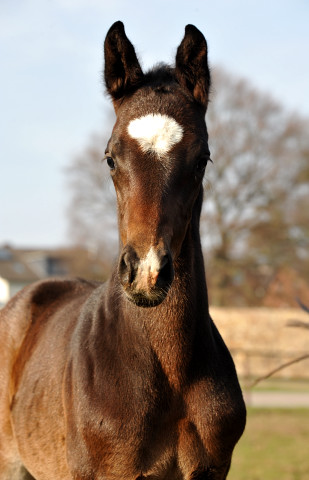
{"x": 276, "y": 399}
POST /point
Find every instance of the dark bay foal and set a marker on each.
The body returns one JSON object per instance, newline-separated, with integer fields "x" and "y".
{"x": 129, "y": 379}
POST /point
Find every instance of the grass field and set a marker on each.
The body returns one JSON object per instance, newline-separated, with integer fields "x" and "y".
{"x": 275, "y": 446}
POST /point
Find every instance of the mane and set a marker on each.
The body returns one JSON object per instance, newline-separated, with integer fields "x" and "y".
{"x": 160, "y": 77}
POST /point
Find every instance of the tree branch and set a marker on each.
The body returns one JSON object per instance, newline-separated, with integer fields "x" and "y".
{"x": 284, "y": 365}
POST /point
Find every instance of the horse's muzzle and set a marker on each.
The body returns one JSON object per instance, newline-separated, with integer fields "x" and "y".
{"x": 146, "y": 280}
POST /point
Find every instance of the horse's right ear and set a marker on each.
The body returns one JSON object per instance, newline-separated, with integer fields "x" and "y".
{"x": 122, "y": 70}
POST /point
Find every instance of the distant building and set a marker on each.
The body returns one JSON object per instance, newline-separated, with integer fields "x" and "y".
{"x": 14, "y": 274}
{"x": 20, "y": 267}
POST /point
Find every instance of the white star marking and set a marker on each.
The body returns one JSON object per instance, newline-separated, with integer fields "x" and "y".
{"x": 156, "y": 133}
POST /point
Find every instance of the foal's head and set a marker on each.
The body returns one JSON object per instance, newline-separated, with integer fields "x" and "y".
{"x": 157, "y": 156}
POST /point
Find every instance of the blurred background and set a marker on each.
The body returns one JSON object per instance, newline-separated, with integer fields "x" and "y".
{"x": 58, "y": 214}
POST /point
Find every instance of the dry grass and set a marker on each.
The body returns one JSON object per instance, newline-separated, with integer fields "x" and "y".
{"x": 261, "y": 340}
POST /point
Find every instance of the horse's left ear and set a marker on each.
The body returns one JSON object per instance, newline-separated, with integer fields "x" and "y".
{"x": 122, "y": 72}
{"x": 192, "y": 70}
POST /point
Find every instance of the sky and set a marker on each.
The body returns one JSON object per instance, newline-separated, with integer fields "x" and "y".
{"x": 52, "y": 96}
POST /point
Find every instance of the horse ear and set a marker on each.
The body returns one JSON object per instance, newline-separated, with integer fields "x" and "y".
{"x": 192, "y": 70}
{"x": 122, "y": 70}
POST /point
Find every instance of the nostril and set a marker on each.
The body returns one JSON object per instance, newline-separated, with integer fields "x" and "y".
{"x": 128, "y": 266}
{"x": 164, "y": 261}
{"x": 166, "y": 274}
{"x": 124, "y": 270}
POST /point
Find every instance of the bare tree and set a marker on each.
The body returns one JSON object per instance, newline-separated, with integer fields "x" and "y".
{"x": 92, "y": 208}
{"x": 260, "y": 155}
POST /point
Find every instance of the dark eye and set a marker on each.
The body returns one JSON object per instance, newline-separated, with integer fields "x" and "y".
{"x": 201, "y": 163}
{"x": 110, "y": 163}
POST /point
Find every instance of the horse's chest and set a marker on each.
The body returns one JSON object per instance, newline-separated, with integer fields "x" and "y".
{"x": 202, "y": 437}
{"x": 171, "y": 438}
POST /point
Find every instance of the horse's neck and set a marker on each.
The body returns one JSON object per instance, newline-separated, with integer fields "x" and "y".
{"x": 183, "y": 314}
{"x": 172, "y": 327}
